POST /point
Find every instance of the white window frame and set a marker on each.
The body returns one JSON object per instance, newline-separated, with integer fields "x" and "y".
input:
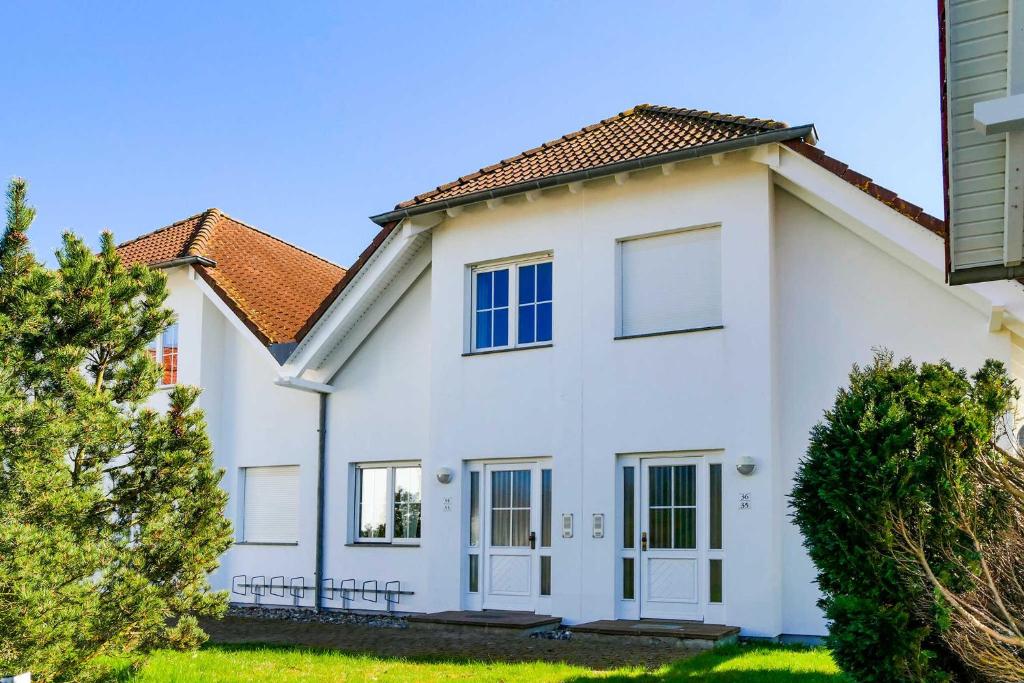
{"x": 512, "y": 265}
{"x": 389, "y": 527}
{"x": 157, "y": 346}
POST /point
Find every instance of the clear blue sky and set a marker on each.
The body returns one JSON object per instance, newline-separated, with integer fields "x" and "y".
{"x": 304, "y": 118}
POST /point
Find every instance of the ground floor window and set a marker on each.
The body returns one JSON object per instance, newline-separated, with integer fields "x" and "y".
{"x": 388, "y": 502}
{"x": 270, "y": 504}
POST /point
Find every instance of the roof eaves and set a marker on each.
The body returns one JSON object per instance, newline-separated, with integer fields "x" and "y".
{"x": 868, "y": 186}
{"x": 759, "y": 138}
{"x": 349, "y": 275}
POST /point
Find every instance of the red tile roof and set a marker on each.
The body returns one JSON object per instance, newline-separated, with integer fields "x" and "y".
{"x": 643, "y": 131}
{"x": 274, "y": 287}
{"x": 862, "y": 182}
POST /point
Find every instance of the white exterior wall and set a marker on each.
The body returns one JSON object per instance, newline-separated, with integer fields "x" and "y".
{"x": 838, "y": 297}
{"x": 379, "y": 413}
{"x": 252, "y": 422}
{"x": 802, "y": 299}
{"x": 590, "y": 397}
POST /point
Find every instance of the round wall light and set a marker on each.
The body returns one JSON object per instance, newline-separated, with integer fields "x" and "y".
{"x": 746, "y": 465}
{"x": 445, "y": 475}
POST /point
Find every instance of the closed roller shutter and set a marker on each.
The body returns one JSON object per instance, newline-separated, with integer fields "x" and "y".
{"x": 671, "y": 282}
{"x": 271, "y": 504}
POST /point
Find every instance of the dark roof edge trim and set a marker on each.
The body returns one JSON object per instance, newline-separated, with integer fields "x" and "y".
{"x": 779, "y": 135}
{"x": 184, "y": 261}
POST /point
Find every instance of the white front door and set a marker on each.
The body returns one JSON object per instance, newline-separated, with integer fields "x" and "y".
{"x": 510, "y": 563}
{"x": 670, "y": 538}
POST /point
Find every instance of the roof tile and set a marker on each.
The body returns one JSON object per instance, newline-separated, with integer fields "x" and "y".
{"x": 273, "y": 286}
{"x": 644, "y": 130}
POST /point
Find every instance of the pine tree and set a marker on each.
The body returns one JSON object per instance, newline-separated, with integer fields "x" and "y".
{"x": 111, "y": 514}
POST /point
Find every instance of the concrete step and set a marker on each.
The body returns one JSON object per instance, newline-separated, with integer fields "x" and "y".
{"x": 690, "y": 634}
{"x": 523, "y": 623}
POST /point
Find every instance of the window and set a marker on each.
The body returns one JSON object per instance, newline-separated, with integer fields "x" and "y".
{"x": 670, "y": 282}
{"x": 388, "y": 499}
{"x": 474, "y": 532}
{"x": 672, "y": 507}
{"x": 270, "y": 504}
{"x": 715, "y": 503}
{"x": 510, "y": 508}
{"x": 164, "y": 350}
{"x": 498, "y": 322}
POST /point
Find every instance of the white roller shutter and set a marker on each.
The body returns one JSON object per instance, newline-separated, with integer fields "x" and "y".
{"x": 671, "y": 282}
{"x": 271, "y": 504}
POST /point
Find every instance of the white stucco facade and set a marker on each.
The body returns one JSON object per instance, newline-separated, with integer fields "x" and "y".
{"x": 814, "y": 274}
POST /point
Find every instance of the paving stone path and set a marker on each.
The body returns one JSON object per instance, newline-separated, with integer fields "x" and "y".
{"x": 462, "y": 643}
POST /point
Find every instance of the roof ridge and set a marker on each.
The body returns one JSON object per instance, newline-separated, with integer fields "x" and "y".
{"x": 522, "y": 155}
{"x": 282, "y": 241}
{"x": 200, "y": 239}
{"x": 159, "y": 230}
{"x": 720, "y": 117}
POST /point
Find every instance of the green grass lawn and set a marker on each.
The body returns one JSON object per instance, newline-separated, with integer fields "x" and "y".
{"x": 257, "y": 663}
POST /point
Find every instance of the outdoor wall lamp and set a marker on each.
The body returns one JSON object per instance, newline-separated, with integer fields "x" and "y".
{"x": 746, "y": 465}
{"x": 445, "y": 475}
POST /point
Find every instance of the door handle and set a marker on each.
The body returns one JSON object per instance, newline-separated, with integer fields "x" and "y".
{"x": 643, "y": 541}
{"x": 533, "y": 540}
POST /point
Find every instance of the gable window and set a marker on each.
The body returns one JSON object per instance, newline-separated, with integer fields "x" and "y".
{"x": 164, "y": 350}
{"x": 270, "y": 504}
{"x": 512, "y": 304}
{"x": 388, "y": 503}
{"x": 670, "y": 282}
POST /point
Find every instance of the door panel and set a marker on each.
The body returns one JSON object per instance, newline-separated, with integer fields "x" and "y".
{"x": 670, "y": 538}
{"x": 511, "y": 571}
{"x": 672, "y": 580}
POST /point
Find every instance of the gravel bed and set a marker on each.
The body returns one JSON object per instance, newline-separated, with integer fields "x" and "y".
{"x": 308, "y": 616}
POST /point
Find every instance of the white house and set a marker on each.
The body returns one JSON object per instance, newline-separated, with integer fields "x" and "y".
{"x": 537, "y": 388}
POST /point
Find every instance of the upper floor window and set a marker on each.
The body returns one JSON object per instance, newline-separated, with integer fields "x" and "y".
{"x": 671, "y": 282}
{"x": 512, "y": 304}
{"x": 388, "y": 500}
{"x": 164, "y": 350}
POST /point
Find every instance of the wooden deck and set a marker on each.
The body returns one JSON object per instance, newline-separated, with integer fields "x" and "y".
{"x": 526, "y": 622}
{"x": 686, "y": 633}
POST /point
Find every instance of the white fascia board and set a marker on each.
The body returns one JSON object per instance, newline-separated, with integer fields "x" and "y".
{"x": 304, "y": 385}
{"x": 339, "y": 316}
{"x": 1001, "y": 115}
{"x": 226, "y": 311}
{"x": 384, "y": 298}
{"x": 903, "y": 239}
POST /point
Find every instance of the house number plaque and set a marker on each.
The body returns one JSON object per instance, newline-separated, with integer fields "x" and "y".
{"x": 744, "y": 501}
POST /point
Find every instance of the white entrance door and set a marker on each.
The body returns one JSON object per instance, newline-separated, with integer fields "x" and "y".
{"x": 670, "y": 529}
{"x": 511, "y": 565}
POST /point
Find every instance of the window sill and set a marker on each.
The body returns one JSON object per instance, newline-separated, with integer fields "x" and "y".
{"x": 165, "y": 387}
{"x": 510, "y": 349}
{"x": 279, "y": 543}
{"x": 371, "y": 544}
{"x": 668, "y": 332}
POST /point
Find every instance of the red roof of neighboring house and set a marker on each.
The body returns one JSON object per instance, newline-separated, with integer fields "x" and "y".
{"x": 273, "y": 287}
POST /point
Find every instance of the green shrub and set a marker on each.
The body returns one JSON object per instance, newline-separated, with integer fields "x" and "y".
{"x": 896, "y": 443}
